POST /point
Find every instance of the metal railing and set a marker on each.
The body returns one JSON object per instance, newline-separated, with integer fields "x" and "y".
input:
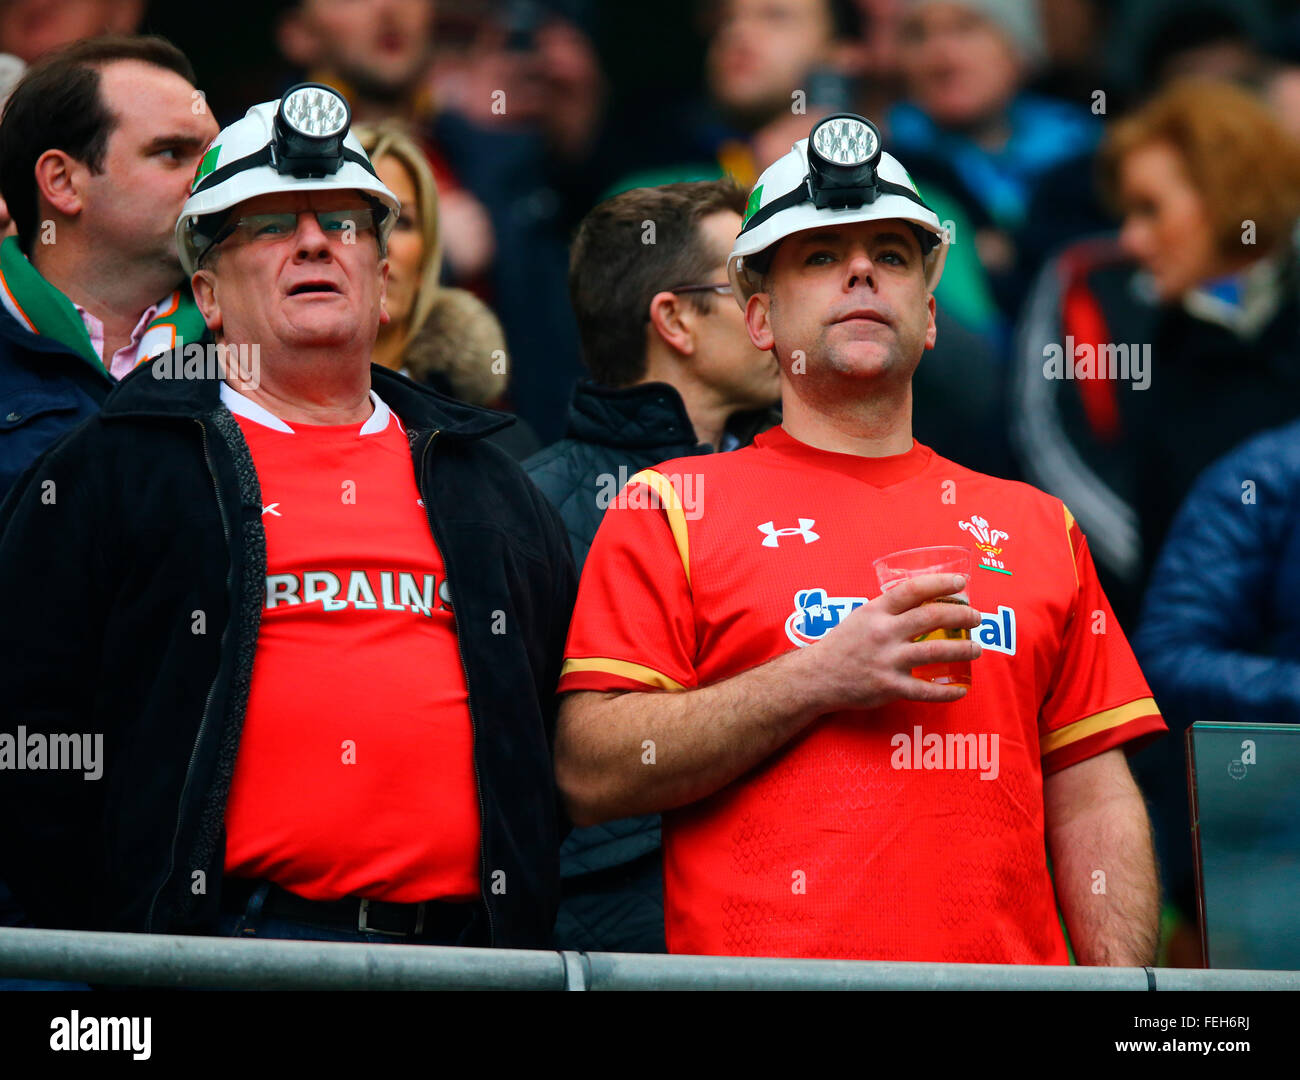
{"x": 161, "y": 960}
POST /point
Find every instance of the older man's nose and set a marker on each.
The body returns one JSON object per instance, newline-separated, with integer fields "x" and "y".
{"x": 310, "y": 237}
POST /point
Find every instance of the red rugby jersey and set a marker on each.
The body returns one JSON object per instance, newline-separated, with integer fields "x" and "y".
{"x": 355, "y": 772}
{"x": 909, "y": 832}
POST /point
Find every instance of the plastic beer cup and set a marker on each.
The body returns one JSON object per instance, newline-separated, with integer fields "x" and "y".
{"x": 895, "y": 568}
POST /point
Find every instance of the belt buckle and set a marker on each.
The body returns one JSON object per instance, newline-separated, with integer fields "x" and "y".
{"x": 364, "y": 909}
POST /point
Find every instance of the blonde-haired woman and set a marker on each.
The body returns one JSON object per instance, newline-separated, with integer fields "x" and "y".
{"x": 445, "y": 338}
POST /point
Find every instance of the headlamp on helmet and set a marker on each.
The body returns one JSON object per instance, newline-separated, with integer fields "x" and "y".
{"x": 310, "y": 126}
{"x": 301, "y": 143}
{"x": 840, "y": 174}
{"x": 843, "y": 152}
{"x": 842, "y": 155}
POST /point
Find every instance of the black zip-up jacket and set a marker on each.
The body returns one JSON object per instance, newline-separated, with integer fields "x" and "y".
{"x": 133, "y": 566}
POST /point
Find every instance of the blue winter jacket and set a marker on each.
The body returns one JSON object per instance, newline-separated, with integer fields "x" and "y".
{"x": 1218, "y": 638}
{"x": 46, "y": 389}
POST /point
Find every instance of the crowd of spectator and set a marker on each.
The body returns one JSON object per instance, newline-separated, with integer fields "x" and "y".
{"x": 1118, "y": 179}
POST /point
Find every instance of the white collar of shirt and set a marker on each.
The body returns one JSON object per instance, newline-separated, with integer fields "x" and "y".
{"x": 246, "y": 407}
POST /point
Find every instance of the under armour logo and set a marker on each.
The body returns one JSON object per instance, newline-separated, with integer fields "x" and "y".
{"x": 772, "y": 535}
{"x": 271, "y": 510}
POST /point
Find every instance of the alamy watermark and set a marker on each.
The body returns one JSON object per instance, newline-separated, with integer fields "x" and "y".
{"x": 200, "y": 360}
{"x": 952, "y": 750}
{"x": 687, "y": 490}
{"x": 1082, "y": 360}
{"x": 120, "y": 1033}
{"x": 34, "y": 750}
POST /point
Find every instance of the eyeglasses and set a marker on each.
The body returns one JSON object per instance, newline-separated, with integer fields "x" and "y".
{"x": 721, "y": 290}
{"x": 272, "y": 228}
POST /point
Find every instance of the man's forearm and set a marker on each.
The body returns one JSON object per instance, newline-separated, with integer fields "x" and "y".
{"x": 618, "y": 755}
{"x": 636, "y": 753}
{"x": 1104, "y": 865}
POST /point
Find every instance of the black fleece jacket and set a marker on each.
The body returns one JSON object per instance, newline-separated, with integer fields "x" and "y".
{"x": 147, "y": 516}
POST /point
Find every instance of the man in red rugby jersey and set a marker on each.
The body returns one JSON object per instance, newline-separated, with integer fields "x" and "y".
{"x": 732, "y": 664}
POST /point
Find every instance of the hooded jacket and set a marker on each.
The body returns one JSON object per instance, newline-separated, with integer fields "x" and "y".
{"x": 135, "y": 552}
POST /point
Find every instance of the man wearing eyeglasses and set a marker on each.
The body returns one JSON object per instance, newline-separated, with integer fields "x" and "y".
{"x": 673, "y": 374}
{"x": 309, "y": 620}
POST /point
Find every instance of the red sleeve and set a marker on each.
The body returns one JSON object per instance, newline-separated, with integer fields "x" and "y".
{"x": 633, "y": 625}
{"x": 1099, "y": 699}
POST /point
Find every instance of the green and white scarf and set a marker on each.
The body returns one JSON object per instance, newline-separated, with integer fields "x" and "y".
{"x": 44, "y": 310}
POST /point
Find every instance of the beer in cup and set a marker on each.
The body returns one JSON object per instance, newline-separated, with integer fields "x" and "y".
{"x": 897, "y": 567}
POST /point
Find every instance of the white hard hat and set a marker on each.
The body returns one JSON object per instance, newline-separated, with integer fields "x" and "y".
{"x": 300, "y": 143}
{"x": 846, "y": 177}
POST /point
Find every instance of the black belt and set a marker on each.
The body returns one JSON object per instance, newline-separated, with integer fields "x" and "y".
{"x": 433, "y": 919}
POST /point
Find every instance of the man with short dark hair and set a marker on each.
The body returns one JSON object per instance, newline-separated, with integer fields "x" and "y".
{"x": 672, "y": 367}
{"x": 97, "y": 148}
{"x": 674, "y": 373}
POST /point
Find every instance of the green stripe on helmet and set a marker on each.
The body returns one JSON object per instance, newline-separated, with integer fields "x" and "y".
{"x": 206, "y": 165}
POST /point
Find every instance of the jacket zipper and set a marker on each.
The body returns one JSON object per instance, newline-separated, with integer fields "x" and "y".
{"x": 473, "y": 724}
{"x": 207, "y": 704}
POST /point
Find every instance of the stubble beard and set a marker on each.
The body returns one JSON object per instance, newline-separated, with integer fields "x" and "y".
{"x": 835, "y": 361}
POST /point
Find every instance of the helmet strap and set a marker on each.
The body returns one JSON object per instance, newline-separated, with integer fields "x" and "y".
{"x": 851, "y": 198}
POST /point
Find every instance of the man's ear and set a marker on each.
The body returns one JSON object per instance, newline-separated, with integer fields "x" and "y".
{"x": 758, "y": 322}
{"x": 931, "y": 333}
{"x": 204, "y": 286}
{"x": 60, "y": 181}
{"x": 384, "y": 317}
{"x": 666, "y": 319}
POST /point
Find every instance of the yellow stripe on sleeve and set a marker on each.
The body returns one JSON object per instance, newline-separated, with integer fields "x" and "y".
{"x": 1069, "y": 524}
{"x": 663, "y": 487}
{"x": 1098, "y": 722}
{"x": 623, "y": 668}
